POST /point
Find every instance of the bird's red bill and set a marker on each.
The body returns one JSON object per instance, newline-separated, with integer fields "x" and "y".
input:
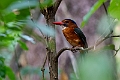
{"x": 58, "y": 23}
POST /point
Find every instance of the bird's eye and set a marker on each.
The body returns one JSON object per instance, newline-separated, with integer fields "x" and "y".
{"x": 66, "y": 21}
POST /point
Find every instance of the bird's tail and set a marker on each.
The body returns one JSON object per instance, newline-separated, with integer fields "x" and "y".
{"x": 83, "y": 52}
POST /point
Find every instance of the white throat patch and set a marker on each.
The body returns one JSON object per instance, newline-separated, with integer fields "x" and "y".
{"x": 63, "y": 27}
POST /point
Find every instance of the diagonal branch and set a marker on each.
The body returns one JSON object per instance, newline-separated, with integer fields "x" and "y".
{"x": 56, "y": 5}
{"x": 105, "y": 8}
{"x": 99, "y": 42}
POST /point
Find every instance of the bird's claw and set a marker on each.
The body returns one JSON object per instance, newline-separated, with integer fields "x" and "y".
{"x": 73, "y": 50}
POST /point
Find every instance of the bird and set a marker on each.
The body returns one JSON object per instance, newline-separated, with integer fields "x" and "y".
{"x": 73, "y": 33}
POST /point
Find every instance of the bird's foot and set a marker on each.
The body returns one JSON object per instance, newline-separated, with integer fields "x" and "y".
{"x": 73, "y": 49}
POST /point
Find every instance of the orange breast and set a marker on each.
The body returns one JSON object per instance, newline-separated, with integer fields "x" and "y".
{"x": 72, "y": 37}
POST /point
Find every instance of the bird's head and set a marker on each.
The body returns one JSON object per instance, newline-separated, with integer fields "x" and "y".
{"x": 66, "y": 23}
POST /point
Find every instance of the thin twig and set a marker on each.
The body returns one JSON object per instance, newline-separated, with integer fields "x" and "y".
{"x": 103, "y": 39}
{"x": 116, "y": 51}
{"x": 105, "y": 9}
{"x": 43, "y": 67}
{"x": 45, "y": 38}
{"x": 31, "y": 17}
{"x": 111, "y": 31}
{"x": 115, "y": 36}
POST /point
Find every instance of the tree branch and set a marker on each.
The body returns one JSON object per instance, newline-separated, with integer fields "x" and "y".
{"x": 56, "y": 5}
{"x": 105, "y": 8}
{"x": 92, "y": 47}
{"x": 66, "y": 48}
{"x": 49, "y": 14}
{"x": 115, "y": 36}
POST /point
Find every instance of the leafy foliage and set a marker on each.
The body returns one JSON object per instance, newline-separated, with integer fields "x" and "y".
{"x": 4, "y": 4}
{"x": 2, "y": 68}
{"x": 6, "y": 71}
{"x": 14, "y": 16}
{"x": 22, "y": 45}
{"x": 113, "y": 10}
{"x": 10, "y": 73}
{"x": 92, "y": 10}
{"x": 46, "y": 3}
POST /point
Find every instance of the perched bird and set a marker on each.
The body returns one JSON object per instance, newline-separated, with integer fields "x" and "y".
{"x": 72, "y": 33}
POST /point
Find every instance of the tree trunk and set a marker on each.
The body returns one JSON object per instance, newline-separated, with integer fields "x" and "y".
{"x": 51, "y": 48}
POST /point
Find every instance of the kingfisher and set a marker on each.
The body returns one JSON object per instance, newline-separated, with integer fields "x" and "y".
{"x": 73, "y": 33}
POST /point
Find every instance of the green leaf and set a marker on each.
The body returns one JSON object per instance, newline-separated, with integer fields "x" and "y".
{"x": 2, "y": 35}
{"x": 12, "y": 26}
{"x": 15, "y": 28}
{"x": 8, "y": 17}
{"x": 114, "y": 9}
{"x": 46, "y": 3}
{"x": 23, "y": 4}
{"x": 109, "y": 47}
{"x": 2, "y": 59}
{"x": 2, "y": 72}
{"x": 0, "y": 78}
{"x": 6, "y": 38}
{"x": 4, "y": 44}
{"x": 23, "y": 13}
{"x": 2, "y": 68}
{"x": 2, "y": 29}
{"x": 10, "y": 73}
{"x": 23, "y": 45}
{"x": 28, "y": 38}
{"x": 5, "y": 3}
{"x": 92, "y": 10}
{"x": 22, "y": 8}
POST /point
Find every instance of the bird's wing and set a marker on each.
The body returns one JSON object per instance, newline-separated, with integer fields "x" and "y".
{"x": 81, "y": 36}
